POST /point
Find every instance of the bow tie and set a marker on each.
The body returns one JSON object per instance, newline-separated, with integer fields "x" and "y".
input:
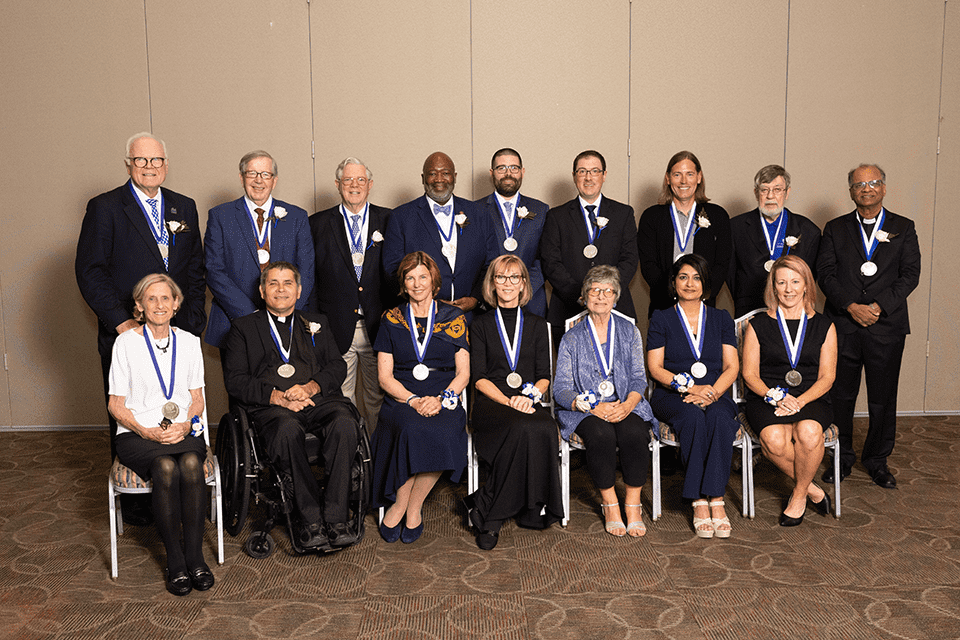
{"x": 444, "y": 210}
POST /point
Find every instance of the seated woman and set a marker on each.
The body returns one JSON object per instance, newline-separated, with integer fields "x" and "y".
{"x": 423, "y": 363}
{"x": 789, "y": 363}
{"x": 156, "y": 396}
{"x": 692, "y": 354}
{"x": 599, "y": 392}
{"x": 510, "y": 362}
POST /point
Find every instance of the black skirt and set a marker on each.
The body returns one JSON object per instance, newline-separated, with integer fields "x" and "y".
{"x": 139, "y": 453}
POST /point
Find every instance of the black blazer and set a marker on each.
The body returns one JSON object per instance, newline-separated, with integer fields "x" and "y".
{"x": 117, "y": 248}
{"x": 747, "y": 277}
{"x": 336, "y": 292}
{"x": 248, "y": 356}
{"x": 898, "y": 273}
{"x": 655, "y": 243}
{"x": 564, "y": 265}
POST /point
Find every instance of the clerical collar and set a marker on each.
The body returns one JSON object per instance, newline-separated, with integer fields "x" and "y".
{"x": 277, "y": 318}
{"x": 872, "y": 220}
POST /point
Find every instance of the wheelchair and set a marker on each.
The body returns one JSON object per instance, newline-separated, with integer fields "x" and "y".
{"x": 246, "y": 474}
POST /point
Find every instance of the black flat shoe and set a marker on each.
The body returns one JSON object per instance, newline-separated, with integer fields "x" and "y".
{"x": 340, "y": 534}
{"x": 179, "y": 583}
{"x": 201, "y": 577}
{"x": 486, "y": 539}
{"x": 790, "y": 521}
{"x": 883, "y": 478}
{"x": 409, "y": 536}
{"x": 822, "y": 507}
{"x": 312, "y": 537}
{"x": 390, "y": 534}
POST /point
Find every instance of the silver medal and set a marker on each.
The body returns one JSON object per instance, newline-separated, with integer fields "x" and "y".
{"x": 164, "y": 250}
{"x": 768, "y": 265}
{"x": 263, "y": 256}
{"x": 793, "y": 378}
{"x": 358, "y": 259}
{"x": 590, "y": 251}
{"x": 514, "y": 380}
{"x": 698, "y": 370}
{"x": 868, "y": 268}
{"x": 286, "y": 370}
{"x": 420, "y": 372}
{"x": 605, "y": 388}
{"x": 510, "y": 244}
{"x": 170, "y": 410}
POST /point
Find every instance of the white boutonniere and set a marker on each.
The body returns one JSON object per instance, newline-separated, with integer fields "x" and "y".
{"x": 602, "y": 221}
{"x": 883, "y": 236}
{"x": 313, "y": 328}
{"x": 461, "y": 220}
{"x": 524, "y": 213}
{"x": 376, "y": 236}
{"x": 703, "y": 222}
{"x": 791, "y": 241}
{"x": 279, "y": 213}
{"x": 175, "y": 227}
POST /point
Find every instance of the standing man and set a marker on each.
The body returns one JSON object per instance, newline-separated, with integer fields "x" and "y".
{"x": 348, "y": 288}
{"x": 243, "y": 236}
{"x": 589, "y": 230}
{"x": 128, "y": 233}
{"x": 763, "y": 235}
{"x": 451, "y": 230}
{"x": 517, "y": 220}
{"x": 869, "y": 262}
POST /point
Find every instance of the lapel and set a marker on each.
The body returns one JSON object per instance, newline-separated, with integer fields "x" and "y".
{"x": 278, "y": 234}
{"x": 492, "y": 209}
{"x": 852, "y": 223}
{"x": 135, "y": 215}
{"x": 429, "y": 224}
{"x": 756, "y": 222}
{"x": 243, "y": 221}
{"x": 577, "y": 222}
{"x": 338, "y": 232}
{"x": 524, "y": 227}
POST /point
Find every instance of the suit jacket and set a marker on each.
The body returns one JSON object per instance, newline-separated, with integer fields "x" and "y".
{"x": 117, "y": 248}
{"x": 250, "y": 353}
{"x": 564, "y": 265}
{"x": 747, "y": 277}
{"x": 336, "y": 292}
{"x": 233, "y": 269}
{"x": 655, "y": 242}
{"x": 413, "y": 227}
{"x": 527, "y": 234}
{"x": 898, "y": 273}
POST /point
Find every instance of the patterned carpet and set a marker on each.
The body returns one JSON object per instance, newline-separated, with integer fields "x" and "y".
{"x": 889, "y": 568}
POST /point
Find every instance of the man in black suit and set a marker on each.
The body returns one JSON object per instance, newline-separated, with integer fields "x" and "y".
{"x": 868, "y": 264}
{"x": 763, "y": 235}
{"x": 285, "y": 369}
{"x": 349, "y": 287}
{"x": 589, "y": 230}
{"x": 133, "y": 231}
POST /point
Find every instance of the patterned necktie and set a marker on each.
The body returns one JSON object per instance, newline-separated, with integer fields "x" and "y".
{"x": 355, "y": 229}
{"x": 266, "y": 238}
{"x": 508, "y": 209}
{"x": 443, "y": 210}
{"x": 164, "y": 238}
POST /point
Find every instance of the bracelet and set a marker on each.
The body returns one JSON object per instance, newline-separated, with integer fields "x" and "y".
{"x": 412, "y": 396}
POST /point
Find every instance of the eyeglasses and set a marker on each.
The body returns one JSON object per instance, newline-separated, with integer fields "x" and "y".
{"x": 357, "y": 181}
{"x": 774, "y": 191}
{"x": 860, "y": 186}
{"x": 507, "y": 168}
{"x": 597, "y": 292}
{"x": 156, "y": 163}
{"x": 581, "y": 172}
{"x": 252, "y": 175}
{"x": 514, "y": 279}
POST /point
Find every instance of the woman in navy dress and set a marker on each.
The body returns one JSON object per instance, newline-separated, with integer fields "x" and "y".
{"x": 692, "y": 354}
{"x": 788, "y": 403}
{"x": 423, "y": 363}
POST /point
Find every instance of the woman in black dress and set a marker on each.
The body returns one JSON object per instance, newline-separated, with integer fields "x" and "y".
{"x": 789, "y": 363}
{"x": 509, "y": 360}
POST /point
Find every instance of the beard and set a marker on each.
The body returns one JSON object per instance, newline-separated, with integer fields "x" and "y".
{"x": 507, "y": 186}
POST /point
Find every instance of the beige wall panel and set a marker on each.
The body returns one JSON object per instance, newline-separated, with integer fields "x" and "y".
{"x": 864, "y": 87}
{"x": 5, "y": 416}
{"x": 228, "y": 77}
{"x": 943, "y": 383}
{"x": 391, "y": 83}
{"x": 551, "y": 84}
{"x": 74, "y": 90}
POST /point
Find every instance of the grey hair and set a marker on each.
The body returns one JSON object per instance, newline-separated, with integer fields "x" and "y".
{"x": 883, "y": 174}
{"x": 253, "y": 155}
{"x": 351, "y": 160}
{"x": 601, "y": 274}
{"x": 138, "y": 136}
{"x": 770, "y": 173}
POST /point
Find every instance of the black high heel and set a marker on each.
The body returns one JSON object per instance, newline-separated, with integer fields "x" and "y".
{"x": 822, "y": 507}
{"x": 790, "y": 521}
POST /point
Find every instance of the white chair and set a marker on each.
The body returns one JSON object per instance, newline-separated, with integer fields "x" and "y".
{"x": 123, "y": 480}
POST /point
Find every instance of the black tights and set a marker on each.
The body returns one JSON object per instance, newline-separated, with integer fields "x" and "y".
{"x": 179, "y": 499}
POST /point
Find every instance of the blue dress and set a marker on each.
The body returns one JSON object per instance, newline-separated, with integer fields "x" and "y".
{"x": 404, "y": 442}
{"x": 705, "y": 435}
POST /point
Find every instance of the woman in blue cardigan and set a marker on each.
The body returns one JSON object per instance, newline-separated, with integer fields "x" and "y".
{"x": 599, "y": 392}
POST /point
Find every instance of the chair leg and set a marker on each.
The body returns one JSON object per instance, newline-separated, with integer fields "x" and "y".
{"x": 565, "y": 481}
{"x": 216, "y": 510}
{"x": 655, "y": 463}
{"x": 836, "y": 479}
{"x": 114, "y": 516}
{"x": 745, "y": 475}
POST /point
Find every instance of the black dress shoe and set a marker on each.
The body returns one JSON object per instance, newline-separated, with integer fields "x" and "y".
{"x": 883, "y": 478}
{"x": 201, "y": 577}
{"x": 311, "y": 536}
{"x": 390, "y": 534}
{"x": 179, "y": 583}
{"x": 486, "y": 538}
{"x": 409, "y": 536}
{"x": 822, "y": 507}
{"x": 340, "y": 534}
{"x": 828, "y": 474}
{"x": 790, "y": 521}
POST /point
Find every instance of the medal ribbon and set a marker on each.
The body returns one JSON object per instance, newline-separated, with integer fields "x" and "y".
{"x": 775, "y": 245}
{"x": 688, "y": 232}
{"x": 512, "y": 351}
{"x": 158, "y": 235}
{"x": 156, "y": 366}
{"x": 508, "y": 229}
{"x": 695, "y": 346}
{"x": 356, "y": 243}
{"x": 870, "y": 243}
{"x": 605, "y": 360}
{"x": 428, "y": 330}
{"x": 793, "y": 346}
{"x": 261, "y": 235}
{"x": 275, "y": 334}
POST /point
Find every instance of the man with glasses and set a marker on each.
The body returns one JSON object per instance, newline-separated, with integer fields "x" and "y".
{"x": 451, "y": 230}
{"x": 763, "y": 235}
{"x": 589, "y": 230}
{"x": 517, "y": 220}
{"x": 868, "y": 264}
{"x": 243, "y": 236}
{"x": 349, "y": 289}
{"x": 128, "y": 233}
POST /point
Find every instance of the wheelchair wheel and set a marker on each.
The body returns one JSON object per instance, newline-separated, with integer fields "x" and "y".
{"x": 259, "y": 545}
{"x": 233, "y": 452}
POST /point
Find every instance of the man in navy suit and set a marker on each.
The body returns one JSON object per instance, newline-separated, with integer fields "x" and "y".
{"x": 451, "y": 230}
{"x": 868, "y": 264}
{"x": 763, "y": 235}
{"x": 589, "y": 230}
{"x": 517, "y": 219}
{"x": 133, "y": 231}
{"x": 244, "y": 235}
{"x": 349, "y": 288}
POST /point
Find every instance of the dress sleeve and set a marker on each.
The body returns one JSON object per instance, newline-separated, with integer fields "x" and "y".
{"x": 195, "y": 373}
{"x": 657, "y": 332}
{"x": 120, "y": 368}
{"x": 728, "y": 330}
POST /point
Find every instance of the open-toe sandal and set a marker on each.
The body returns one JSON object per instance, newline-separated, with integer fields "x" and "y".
{"x": 718, "y": 522}
{"x": 636, "y": 525}
{"x": 613, "y": 527}
{"x": 699, "y": 522}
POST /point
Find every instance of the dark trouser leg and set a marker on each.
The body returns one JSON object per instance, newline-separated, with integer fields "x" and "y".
{"x": 600, "y": 439}
{"x": 336, "y": 425}
{"x": 843, "y": 395}
{"x": 633, "y": 436}
{"x": 193, "y": 493}
{"x": 165, "y": 474}
{"x": 882, "y": 358}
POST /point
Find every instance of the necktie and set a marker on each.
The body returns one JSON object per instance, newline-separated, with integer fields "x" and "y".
{"x": 266, "y": 238}
{"x": 444, "y": 210}
{"x": 164, "y": 238}
{"x": 508, "y": 209}
{"x": 357, "y": 241}
{"x": 591, "y": 208}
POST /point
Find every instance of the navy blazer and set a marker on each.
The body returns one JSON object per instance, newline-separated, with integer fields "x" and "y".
{"x": 413, "y": 227}
{"x": 336, "y": 292}
{"x": 117, "y": 248}
{"x": 898, "y": 273}
{"x": 747, "y": 277}
{"x": 233, "y": 268}
{"x": 655, "y": 239}
{"x": 565, "y": 266}
{"x": 527, "y": 234}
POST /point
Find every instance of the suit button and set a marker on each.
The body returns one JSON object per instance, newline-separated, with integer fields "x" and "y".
{"x": 359, "y": 288}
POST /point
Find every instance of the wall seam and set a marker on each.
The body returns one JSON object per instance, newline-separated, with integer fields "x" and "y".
{"x": 629, "y": 91}
{"x": 473, "y": 195}
{"x": 313, "y": 118}
{"x": 786, "y": 87}
{"x": 3, "y": 338}
{"x": 146, "y": 51}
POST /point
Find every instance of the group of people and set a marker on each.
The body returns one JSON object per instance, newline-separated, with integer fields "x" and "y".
{"x": 360, "y": 311}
